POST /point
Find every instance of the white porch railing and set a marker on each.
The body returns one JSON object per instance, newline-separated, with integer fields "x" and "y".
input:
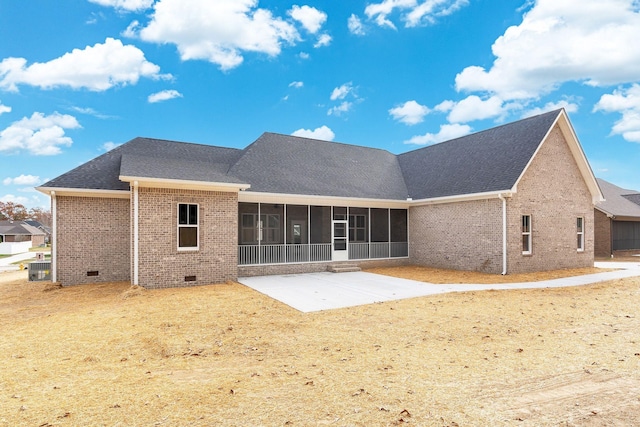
{"x": 282, "y": 254}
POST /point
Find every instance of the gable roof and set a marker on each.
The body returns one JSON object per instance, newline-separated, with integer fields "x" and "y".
{"x": 490, "y": 161}
{"x": 619, "y": 202}
{"x": 13, "y": 228}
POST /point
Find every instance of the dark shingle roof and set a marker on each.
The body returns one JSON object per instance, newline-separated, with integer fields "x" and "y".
{"x": 486, "y": 161}
{"x": 491, "y": 160}
{"x": 292, "y": 165}
{"x": 13, "y": 228}
{"x": 618, "y": 201}
{"x": 166, "y": 159}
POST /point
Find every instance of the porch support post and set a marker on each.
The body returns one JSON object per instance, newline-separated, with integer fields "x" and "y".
{"x": 309, "y": 233}
{"x": 135, "y": 233}
{"x": 54, "y": 244}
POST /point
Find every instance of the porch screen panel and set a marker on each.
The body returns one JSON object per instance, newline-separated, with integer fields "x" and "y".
{"x": 379, "y": 225}
{"x": 320, "y": 224}
{"x": 272, "y": 217}
{"x": 297, "y": 224}
{"x": 626, "y": 235}
{"x": 247, "y": 223}
{"x": 379, "y": 233}
{"x": 399, "y": 234}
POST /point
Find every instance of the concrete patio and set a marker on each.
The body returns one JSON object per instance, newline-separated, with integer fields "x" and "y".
{"x": 326, "y": 291}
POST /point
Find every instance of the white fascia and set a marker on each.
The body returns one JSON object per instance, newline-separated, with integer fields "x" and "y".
{"x": 185, "y": 184}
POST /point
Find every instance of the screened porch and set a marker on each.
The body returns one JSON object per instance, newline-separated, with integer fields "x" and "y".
{"x": 282, "y": 233}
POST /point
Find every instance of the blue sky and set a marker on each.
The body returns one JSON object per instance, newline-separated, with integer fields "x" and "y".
{"x": 78, "y": 77}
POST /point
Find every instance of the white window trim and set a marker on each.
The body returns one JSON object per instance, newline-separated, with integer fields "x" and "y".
{"x": 527, "y": 233}
{"x": 197, "y": 226}
{"x": 581, "y": 234}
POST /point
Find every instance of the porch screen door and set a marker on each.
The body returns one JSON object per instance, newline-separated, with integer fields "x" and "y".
{"x": 339, "y": 237}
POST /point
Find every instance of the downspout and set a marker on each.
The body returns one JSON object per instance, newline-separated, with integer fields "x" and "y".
{"x": 504, "y": 233}
{"x": 54, "y": 243}
{"x": 135, "y": 232}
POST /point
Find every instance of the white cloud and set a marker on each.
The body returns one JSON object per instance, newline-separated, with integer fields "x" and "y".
{"x": 410, "y": 112}
{"x": 22, "y": 180}
{"x": 322, "y": 132}
{"x": 414, "y": 13}
{"x": 96, "y": 68}
{"x": 339, "y": 109}
{"x": 4, "y": 108}
{"x": 109, "y": 145}
{"x": 218, "y": 31}
{"x": 303, "y": 55}
{"x": 38, "y": 134}
{"x": 296, "y": 85}
{"x": 128, "y": 5}
{"x": 164, "y": 95}
{"x": 16, "y": 199}
{"x": 310, "y": 17}
{"x": 341, "y": 92}
{"x": 588, "y": 41}
{"x": 132, "y": 30}
{"x": 475, "y": 108}
{"x": 323, "y": 40}
{"x": 627, "y": 103}
{"x": 446, "y": 133}
{"x": 569, "y": 107}
{"x": 355, "y": 25}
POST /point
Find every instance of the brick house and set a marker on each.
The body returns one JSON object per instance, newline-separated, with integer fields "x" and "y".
{"x": 515, "y": 198}
{"x": 21, "y": 231}
{"x": 617, "y": 222}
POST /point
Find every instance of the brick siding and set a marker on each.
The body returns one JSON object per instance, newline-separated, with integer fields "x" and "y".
{"x": 460, "y": 236}
{"x": 554, "y": 193}
{"x": 161, "y": 265}
{"x": 92, "y": 234}
{"x": 602, "y": 234}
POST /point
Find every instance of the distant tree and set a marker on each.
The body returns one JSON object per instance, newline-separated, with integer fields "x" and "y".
{"x": 13, "y": 211}
{"x": 43, "y": 216}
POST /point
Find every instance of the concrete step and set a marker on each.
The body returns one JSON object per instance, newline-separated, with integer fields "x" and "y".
{"x": 343, "y": 268}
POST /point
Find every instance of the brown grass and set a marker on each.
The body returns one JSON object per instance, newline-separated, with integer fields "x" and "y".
{"x": 226, "y": 355}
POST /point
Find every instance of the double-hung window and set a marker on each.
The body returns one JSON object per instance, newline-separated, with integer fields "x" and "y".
{"x": 188, "y": 227}
{"x": 526, "y": 234}
{"x": 580, "y": 232}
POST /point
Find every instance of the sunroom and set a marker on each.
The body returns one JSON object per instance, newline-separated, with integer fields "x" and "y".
{"x": 272, "y": 233}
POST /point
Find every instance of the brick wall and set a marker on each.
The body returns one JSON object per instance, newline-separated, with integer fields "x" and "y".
{"x": 553, "y": 192}
{"x": 161, "y": 265}
{"x": 602, "y": 234}
{"x": 460, "y": 236}
{"x": 313, "y": 267}
{"x": 92, "y": 234}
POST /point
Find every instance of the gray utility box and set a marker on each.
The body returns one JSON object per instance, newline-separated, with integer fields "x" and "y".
{"x": 39, "y": 270}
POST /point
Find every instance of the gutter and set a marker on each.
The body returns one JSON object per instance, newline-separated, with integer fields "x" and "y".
{"x": 504, "y": 233}
{"x": 54, "y": 240}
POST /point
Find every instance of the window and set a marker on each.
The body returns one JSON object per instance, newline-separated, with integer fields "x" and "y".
{"x": 526, "y": 234}
{"x": 580, "y": 231}
{"x": 266, "y": 231}
{"x": 357, "y": 228}
{"x": 187, "y": 226}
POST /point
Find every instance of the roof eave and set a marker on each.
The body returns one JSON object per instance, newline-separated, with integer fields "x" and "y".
{"x": 184, "y": 184}
{"x": 306, "y": 199}
{"x": 84, "y": 192}
{"x": 462, "y": 198}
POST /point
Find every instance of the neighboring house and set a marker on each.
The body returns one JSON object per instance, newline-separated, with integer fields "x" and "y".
{"x": 20, "y": 231}
{"x": 617, "y": 222}
{"x": 516, "y": 198}
{"x": 40, "y": 226}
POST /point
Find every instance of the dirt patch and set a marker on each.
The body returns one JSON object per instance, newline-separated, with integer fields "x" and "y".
{"x": 441, "y": 276}
{"x": 226, "y": 355}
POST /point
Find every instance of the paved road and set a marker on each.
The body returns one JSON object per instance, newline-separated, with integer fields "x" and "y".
{"x": 6, "y": 264}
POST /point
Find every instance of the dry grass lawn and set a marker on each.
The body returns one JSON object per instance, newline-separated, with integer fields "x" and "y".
{"x": 112, "y": 355}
